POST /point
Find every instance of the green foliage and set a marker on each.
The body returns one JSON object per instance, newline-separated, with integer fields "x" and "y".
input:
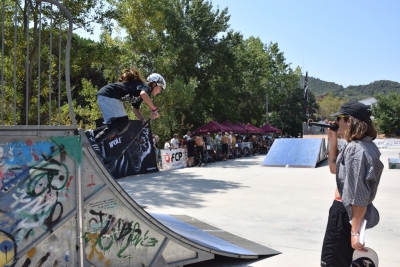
{"x": 387, "y": 112}
{"x": 86, "y": 114}
{"x": 291, "y": 114}
{"x": 352, "y": 92}
{"x": 329, "y": 105}
{"x": 212, "y": 72}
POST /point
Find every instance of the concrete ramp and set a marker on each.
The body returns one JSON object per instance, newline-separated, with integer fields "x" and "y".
{"x": 296, "y": 152}
{"x": 61, "y": 207}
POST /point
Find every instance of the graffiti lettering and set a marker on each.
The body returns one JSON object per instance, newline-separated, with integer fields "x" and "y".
{"x": 103, "y": 234}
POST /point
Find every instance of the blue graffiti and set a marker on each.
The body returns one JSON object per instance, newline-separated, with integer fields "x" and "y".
{"x": 21, "y": 153}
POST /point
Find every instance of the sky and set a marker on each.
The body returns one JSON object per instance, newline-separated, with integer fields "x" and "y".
{"x": 349, "y": 42}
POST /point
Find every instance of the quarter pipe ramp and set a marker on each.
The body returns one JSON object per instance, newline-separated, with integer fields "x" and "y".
{"x": 61, "y": 207}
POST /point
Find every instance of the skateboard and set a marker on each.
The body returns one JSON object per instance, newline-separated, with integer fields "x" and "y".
{"x": 365, "y": 259}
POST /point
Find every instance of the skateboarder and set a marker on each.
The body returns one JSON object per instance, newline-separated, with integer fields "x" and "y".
{"x": 130, "y": 88}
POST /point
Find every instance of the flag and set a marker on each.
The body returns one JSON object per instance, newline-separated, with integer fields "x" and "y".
{"x": 306, "y": 92}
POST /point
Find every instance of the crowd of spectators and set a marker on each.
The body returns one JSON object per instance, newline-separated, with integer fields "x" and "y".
{"x": 223, "y": 145}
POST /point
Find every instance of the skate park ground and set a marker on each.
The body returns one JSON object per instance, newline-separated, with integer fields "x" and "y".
{"x": 285, "y": 209}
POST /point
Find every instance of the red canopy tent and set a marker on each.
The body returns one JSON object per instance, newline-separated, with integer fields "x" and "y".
{"x": 235, "y": 129}
{"x": 249, "y": 128}
{"x": 212, "y": 127}
{"x": 270, "y": 129}
{"x": 240, "y": 125}
{"x": 254, "y": 129}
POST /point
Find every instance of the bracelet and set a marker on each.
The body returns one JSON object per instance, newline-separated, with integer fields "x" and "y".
{"x": 154, "y": 109}
{"x": 353, "y": 234}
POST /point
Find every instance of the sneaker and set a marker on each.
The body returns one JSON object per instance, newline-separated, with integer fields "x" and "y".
{"x": 90, "y": 135}
{"x": 105, "y": 134}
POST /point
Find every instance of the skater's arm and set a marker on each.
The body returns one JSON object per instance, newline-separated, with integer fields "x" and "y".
{"x": 137, "y": 113}
{"x": 146, "y": 98}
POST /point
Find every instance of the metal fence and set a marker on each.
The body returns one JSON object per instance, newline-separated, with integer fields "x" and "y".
{"x": 35, "y": 62}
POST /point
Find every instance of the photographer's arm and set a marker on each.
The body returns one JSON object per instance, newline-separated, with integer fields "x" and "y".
{"x": 333, "y": 149}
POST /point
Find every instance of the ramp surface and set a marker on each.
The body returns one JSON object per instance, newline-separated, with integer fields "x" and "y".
{"x": 296, "y": 152}
{"x": 61, "y": 206}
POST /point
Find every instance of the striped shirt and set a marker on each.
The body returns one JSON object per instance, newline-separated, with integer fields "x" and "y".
{"x": 358, "y": 172}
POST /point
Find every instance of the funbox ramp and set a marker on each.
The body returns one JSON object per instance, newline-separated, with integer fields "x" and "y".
{"x": 61, "y": 207}
{"x": 296, "y": 152}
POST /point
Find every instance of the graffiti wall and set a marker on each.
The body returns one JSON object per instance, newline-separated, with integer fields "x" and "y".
{"x": 37, "y": 195}
{"x": 114, "y": 236}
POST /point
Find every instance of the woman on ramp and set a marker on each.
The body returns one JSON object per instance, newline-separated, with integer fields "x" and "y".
{"x": 130, "y": 88}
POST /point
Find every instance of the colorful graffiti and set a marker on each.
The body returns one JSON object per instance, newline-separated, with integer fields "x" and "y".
{"x": 17, "y": 157}
{"x": 34, "y": 184}
{"x": 106, "y": 232}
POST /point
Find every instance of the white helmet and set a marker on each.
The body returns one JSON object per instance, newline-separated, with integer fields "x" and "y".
{"x": 158, "y": 79}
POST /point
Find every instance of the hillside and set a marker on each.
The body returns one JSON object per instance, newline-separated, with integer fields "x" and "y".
{"x": 353, "y": 92}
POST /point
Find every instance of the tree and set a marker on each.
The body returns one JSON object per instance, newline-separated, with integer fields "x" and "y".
{"x": 33, "y": 22}
{"x": 328, "y": 105}
{"x": 291, "y": 113}
{"x": 387, "y": 112}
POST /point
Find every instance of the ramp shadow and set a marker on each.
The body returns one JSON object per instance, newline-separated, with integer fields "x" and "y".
{"x": 178, "y": 189}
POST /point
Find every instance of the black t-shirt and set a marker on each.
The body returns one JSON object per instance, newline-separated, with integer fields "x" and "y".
{"x": 190, "y": 144}
{"x": 128, "y": 91}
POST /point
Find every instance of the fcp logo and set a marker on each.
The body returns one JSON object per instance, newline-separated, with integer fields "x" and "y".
{"x": 167, "y": 158}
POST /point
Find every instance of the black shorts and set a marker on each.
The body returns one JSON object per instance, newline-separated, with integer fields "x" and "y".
{"x": 190, "y": 152}
{"x": 224, "y": 148}
{"x": 336, "y": 249}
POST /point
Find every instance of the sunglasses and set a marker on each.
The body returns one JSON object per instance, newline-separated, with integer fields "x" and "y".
{"x": 341, "y": 116}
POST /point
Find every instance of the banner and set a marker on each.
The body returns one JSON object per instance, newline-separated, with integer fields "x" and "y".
{"x": 139, "y": 158}
{"x": 173, "y": 159}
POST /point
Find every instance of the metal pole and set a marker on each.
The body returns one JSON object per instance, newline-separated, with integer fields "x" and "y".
{"x": 27, "y": 69}
{"x": 267, "y": 108}
{"x": 15, "y": 62}
{"x": 2, "y": 63}
{"x": 39, "y": 60}
{"x": 50, "y": 59}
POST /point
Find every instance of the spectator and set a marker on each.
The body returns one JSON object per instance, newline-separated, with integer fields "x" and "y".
{"x": 200, "y": 145}
{"x": 187, "y": 136}
{"x": 358, "y": 170}
{"x": 175, "y": 141}
{"x": 155, "y": 144}
{"x": 233, "y": 143}
{"x": 167, "y": 145}
{"x": 208, "y": 141}
{"x": 217, "y": 141}
{"x": 190, "y": 144}
{"x": 225, "y": 144}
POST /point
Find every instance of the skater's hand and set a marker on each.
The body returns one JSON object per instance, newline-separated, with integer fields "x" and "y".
{"x": 154, "y": 115}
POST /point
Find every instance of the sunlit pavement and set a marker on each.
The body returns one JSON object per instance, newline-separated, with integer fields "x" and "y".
{"x": 285, "y": 209}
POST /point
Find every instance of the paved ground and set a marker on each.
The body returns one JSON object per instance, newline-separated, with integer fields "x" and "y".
{"x": 285, "y": 209}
